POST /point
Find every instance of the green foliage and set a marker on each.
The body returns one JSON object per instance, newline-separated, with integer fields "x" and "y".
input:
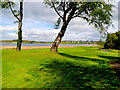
{"x": 5, "y": 4}
{"x": 97, "y": 14}
{"x": 10, "y": 5}
{"x": 75, "y": 68}
{"x": 113, "y": 41}
{"x": 57, "y": 24}
{"x": 100, "y": 43}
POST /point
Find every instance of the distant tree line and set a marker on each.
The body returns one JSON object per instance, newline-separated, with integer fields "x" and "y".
{"x": 113, "y": 41}
{"x": 62, "y": 42}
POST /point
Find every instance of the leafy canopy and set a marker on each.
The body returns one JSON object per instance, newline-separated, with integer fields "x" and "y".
{"x": 113, "y": 41}
{"x": 97, "y": 14}
{"x": 7, "y": 4}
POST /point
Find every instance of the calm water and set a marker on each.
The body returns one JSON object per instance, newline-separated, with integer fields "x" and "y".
{"x": 42, "y": 44}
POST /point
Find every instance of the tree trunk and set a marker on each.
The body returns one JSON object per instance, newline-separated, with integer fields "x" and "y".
{"x": 58, "y": 39}
{"x": 19, "y": 41}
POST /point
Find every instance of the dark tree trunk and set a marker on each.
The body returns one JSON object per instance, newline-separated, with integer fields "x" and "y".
{"x": 58, "y": 39}
{"x": 19, "y": 41}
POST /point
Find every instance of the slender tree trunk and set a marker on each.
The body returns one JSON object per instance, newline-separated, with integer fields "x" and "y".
{"x": 58, "y": 39}
{"x": 19, "y": 41}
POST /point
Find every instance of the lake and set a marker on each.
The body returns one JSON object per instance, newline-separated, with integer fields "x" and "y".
{"x": 43, "y": 44}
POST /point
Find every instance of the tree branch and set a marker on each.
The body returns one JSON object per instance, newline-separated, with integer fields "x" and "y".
{"x": 63, "y": 5}
{"x": 56, "y": 10}
{"x": 64, "y": 15}
{"x": 71, "y": 14}
{"x": 13, "y": 11}
{"x": 70, "y": 7}
{"x": 77, "y": 14}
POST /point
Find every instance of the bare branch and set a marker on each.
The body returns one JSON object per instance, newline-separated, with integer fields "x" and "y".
{"x": 63, "y": 5}
{"x": 72, "y": 12}
{"x": 70, "y": 7}
{"x": 77, "y": 14}
{"x": 13, "y": 11}
{"x": 56, "y": 10}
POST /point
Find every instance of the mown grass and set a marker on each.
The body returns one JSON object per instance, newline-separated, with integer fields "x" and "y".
{"x": 78, "y": 67}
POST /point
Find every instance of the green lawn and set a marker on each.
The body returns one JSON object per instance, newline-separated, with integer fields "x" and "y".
{"x": 79, "y": 67}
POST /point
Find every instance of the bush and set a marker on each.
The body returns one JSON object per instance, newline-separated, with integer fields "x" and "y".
{"x": 113, "y": 41}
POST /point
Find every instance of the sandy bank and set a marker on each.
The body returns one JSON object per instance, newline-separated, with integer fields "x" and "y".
{"x": 30, "y": 47}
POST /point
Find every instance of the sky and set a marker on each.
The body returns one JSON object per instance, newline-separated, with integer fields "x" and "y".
{"x": 39, "y": 21}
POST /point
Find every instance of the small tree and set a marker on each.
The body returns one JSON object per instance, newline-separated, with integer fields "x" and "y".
{"x": 97, "y": 14}
{"x": 18, "y": 15}
{"x": 117, "y": 45}
{"x": 113, "y": 41}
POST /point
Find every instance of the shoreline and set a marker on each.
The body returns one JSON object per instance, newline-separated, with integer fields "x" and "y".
{"x": 35, "y": 47}
{"x": 31, "y": 47}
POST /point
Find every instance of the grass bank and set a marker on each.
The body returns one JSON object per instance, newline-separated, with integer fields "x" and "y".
{"x": 78, "y": 67}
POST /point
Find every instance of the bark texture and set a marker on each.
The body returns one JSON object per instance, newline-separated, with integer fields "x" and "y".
{"x": 66, "y": 21}
{"x": 58, "y": 39}
{"x": 19, "y": 41}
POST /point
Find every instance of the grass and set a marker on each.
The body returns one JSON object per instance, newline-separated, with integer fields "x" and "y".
{"x": 78, "y": 67}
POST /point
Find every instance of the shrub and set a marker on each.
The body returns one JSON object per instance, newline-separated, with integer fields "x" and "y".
{"x": 113, "y": 41}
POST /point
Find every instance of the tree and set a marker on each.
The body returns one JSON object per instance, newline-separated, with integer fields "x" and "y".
{"x": 97, "y": 14}
{"x": 18, "y": 15}
{"x": 113, "y": 41}
{"x": 117, "y": 45}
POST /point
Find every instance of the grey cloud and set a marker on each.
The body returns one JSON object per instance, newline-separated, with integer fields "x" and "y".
{"x": 115, "y": 11}
{"x": 9, "y": 36}
{"x": 38, "y": 11}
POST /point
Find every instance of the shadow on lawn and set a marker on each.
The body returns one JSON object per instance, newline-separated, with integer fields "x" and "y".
{"x": 115, "y": 63}
{"x": 110, "y": 57}
{"x": 73, "y": 76}
{"x": 83, "y": 58}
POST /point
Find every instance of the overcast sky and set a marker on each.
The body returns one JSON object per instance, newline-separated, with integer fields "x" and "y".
{"x": 38, "y": 24}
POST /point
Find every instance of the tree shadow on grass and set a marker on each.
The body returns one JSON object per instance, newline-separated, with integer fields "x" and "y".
{"x": 115, "y": 62}
{"x": 110, "y": 57}
{"x": 67, "y": 74}
{"x": 76, "y": 77}
{"x": 83, "y": 58}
